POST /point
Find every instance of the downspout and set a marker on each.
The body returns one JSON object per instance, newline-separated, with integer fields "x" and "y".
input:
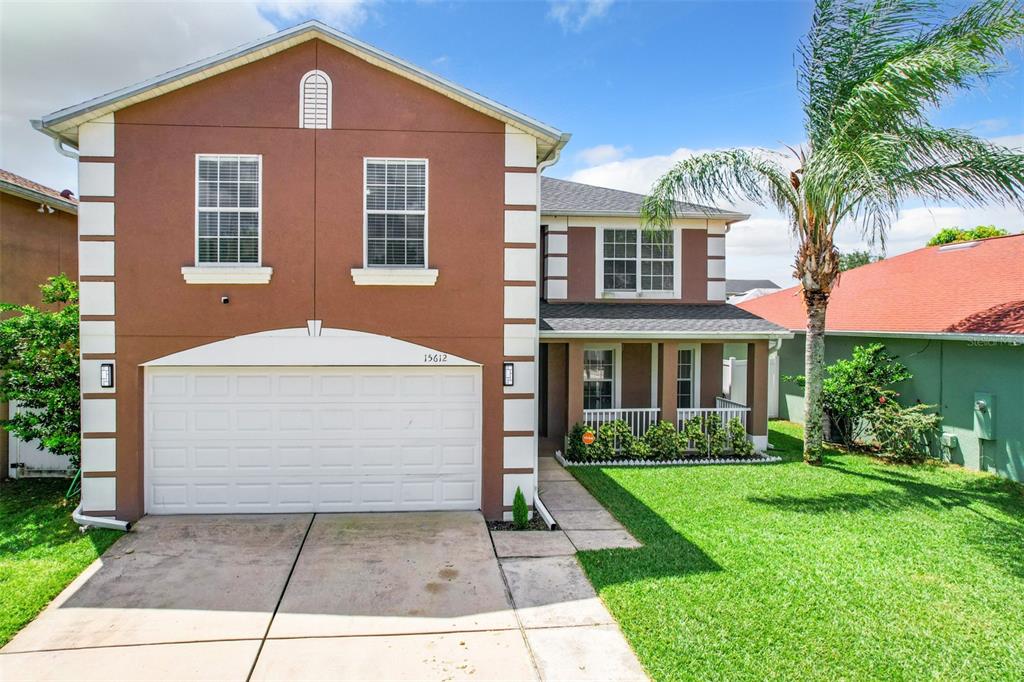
{"x": 538, "y": 506}
{"x": 98, "y": 521}
{"x": 58, "y": 142}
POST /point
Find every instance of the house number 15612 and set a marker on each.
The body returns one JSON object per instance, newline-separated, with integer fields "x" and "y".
{"x": 434, "y": 358}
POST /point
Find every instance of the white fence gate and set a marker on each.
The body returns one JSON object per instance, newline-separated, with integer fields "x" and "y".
{"x": 734, "y": 382}
{"x": 28, "y": 460}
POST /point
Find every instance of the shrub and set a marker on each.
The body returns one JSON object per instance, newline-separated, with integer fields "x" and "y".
{"x": 520, "y": 514}
{"x": 852, "y": 388}
{"x": 39, "y": 368}
{"x": 664, "y": 442}
{"x": 576, "y": 450}
{"x": 741, "y": 445}
{"x": 693, "y": 434}
{"x": 614, "y": 439}
{"x": 903, "y": 433}
{"x": 952, "y": 235}
{"x": 716, "y": 435}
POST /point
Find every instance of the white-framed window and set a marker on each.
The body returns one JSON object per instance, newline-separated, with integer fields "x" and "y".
{"x": 229, "y": 209}
{"x": 634, "y": 263}
{"x": 315, "y": 95}
{"x": 686, "y": 384}
{"x": 395, "y": 215}
{"x": 600, "y": 377}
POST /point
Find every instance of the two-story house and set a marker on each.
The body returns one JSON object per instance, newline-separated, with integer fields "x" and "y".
{"x": 312, "y": 279}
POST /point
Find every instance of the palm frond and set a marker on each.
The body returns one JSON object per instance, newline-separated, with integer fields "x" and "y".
{"x": 732, "y": 175}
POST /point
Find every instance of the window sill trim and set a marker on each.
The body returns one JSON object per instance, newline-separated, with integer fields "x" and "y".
{"x": 227, "y": 275}
{"x": 631, "y": 295}
{"x": 414, "y": 277}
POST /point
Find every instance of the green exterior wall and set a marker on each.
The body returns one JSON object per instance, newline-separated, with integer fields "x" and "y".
{"x": 946, "y": 373}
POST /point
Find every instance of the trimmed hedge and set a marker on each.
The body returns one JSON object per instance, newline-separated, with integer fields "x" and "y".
{"x": 700, "y": 438}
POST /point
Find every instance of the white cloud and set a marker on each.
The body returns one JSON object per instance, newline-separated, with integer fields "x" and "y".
{"x": 54, "y": 55}
{"x": 602, "y": 153}
{"x": 341, "y": 14}
{"x": 574, "y": 15}
{"x": 763, "y": 246}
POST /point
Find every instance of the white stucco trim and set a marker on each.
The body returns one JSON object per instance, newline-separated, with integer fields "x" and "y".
{"x": 716, "y": 246}
{"x": 556, "y": 289}
{"x": 96, "y": 259}
{"x": 96, "y": 298}
{"x": 99, "y": 494}
{"x": 520, "y": 340}
{"x": 523, "y": 375}
{"x": 716, "y": 291}
{"x": 296, "y": 348}
{"x": 521, "y": 265}
{"x": 96, "y": 336}
{"x": 99, "y": 415}
{"x": 99, "y": 454}
{"x": 518, "y": 452}
{"x": 95, "y": 179}
{"x": 556, "y": 244}
{"x": 96, "y": 137}
{"x": 521, "y": 227}
{"x": 520, "y": 414}
{"x": 410, "y": 277}
{"x": 90, "y": 376}
{"x": 556, "y": 266}
{"x": 520, "y": 303}
{"x": 96, "y": 218}
{"x": 227, "y": 274}
{"x": 521, "y": 189}
{"x": 512, "y": 481}
{"x": 520, "y": 148}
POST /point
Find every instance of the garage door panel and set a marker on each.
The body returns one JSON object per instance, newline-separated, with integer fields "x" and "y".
{"x": 307, "y": 439}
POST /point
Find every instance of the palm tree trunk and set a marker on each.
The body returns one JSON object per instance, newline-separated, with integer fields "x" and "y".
{"x": 814, "y": 373}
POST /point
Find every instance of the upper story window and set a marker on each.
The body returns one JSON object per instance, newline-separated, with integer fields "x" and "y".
{"x": 315, "y": 100}
{"x": 396, "y": 213}
{"x": 228, "y": 192}
{"x": 638, "y": 261}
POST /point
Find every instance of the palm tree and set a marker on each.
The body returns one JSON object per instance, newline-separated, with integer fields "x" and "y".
{"x": 869, "y": 74}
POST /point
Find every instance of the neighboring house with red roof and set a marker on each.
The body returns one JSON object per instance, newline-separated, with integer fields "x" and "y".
{"x": 954, "y": 315}
{"x": 38, "y": 239}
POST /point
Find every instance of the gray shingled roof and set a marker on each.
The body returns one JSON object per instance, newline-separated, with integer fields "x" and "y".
{"x": 673, "y": 319}
{"x": 563, "y": 197}
{"x": 742, "y": 286}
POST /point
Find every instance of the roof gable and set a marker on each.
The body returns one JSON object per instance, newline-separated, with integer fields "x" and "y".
{"x": 975, "y": 288}
{"x": 63, "y": 124}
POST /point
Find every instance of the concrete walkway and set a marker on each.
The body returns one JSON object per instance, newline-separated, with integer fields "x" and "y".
{"x": 569, "y": 629}
{"x": 325, "y": 596}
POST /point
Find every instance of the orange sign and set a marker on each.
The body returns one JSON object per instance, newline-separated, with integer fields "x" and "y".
{"x": 588, "y": 438}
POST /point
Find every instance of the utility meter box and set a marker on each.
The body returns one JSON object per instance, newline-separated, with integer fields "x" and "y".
{"x": 985, "y": 415}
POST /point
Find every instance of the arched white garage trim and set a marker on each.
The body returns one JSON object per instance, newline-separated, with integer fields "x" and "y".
{"x": 312, "y": 420}
{"x": 297, "y": 347}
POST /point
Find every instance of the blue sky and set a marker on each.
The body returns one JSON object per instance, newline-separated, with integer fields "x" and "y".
{"x": 644, "y": 76}
{"x": 639, "y": 85}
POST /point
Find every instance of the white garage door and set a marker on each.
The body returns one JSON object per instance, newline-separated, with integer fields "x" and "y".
{"x": 289, "y": 439}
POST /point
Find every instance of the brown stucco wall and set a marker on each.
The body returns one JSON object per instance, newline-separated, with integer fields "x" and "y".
{"x": 312, "y": 226}
{"x": 582, "y": 261}
{"x": 557, "y": 387}
{"x": 636, "y": 375}
{"x": 33, "y": 246}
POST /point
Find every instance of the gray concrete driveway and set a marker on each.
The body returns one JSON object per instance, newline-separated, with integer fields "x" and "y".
{"x": 298, "y": 596}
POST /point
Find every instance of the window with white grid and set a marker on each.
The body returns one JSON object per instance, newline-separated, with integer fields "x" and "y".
{"x": 396, "y": 212}
{"x": 684, "y": 378}
{"x": 627, "y": 252}
{"x": 620, "y": 260}
{"x": 598, "y": 379}
{"x": 228, "y": 218}
{"x": 315, "y": 100}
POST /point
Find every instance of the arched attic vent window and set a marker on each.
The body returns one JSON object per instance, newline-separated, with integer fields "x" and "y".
{"x": 315, "y": 100}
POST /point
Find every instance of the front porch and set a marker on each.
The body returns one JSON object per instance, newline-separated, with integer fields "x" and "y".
{"x": 641, "y": 382}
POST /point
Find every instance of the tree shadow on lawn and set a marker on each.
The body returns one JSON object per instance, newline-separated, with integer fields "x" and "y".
{"x": 665, "y": 552}
{"x": 1002, "y": 540}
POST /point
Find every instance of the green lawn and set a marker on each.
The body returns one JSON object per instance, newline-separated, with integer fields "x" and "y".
{"x": 41, "y": 548}
{"x": 853, "y": 570}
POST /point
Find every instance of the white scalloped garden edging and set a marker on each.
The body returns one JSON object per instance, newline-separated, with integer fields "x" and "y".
{"x": 762, "y": 459}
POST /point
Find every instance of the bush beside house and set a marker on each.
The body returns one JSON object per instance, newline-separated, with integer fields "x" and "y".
{"x": 699, "y": 438}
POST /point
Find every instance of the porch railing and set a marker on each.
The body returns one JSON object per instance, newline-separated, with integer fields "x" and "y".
{"x": 726, "y": 403}
{"x": 639, "y": 419}
{"x": 726, "y": 412}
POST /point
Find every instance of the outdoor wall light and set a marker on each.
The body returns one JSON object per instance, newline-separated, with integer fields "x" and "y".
{"x": 510, "y": 376}
{"x": 107, "y": 375}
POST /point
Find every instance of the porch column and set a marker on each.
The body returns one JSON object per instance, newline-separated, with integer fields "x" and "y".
{"x": 757, "y": 392}
{"x": 574, "y": 409}
{"x": 668, "y": 375}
